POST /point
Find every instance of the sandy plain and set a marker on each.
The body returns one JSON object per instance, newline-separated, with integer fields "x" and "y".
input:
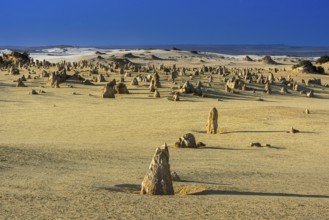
{"x": 65, "y": 156}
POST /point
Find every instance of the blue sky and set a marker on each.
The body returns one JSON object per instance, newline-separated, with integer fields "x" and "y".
{"x": 150, "y": 22}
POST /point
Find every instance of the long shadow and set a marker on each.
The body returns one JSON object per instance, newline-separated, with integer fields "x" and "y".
{"x": 278, "y": 148}
{"x": 309, "y": 132}
{"x": 122, "y": 188}
{"x": 128, "y": 185}
{"x": 200, "y": 132}
{"x": 238, "y": 193}
{"x": 202, "y": 182}
{"x": 138, "y": 98}
{"x": 229, "y": 96}
{"x": 222, "y": 148}
{"x": 319, "y": 113}
{"x": 6, "y": 84}
{"x": 1, "y": 100}
{"x": 230, "y": 132}
{"x": 302, "y": 132}
{"x": 181, "y": 100}
{"x": 320, "y": 97}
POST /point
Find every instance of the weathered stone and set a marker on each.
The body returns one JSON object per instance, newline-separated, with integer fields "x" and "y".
{"x": 187, "y": 141}
{"x": 158, "y": 180}
{"x": 187, "y": 87}
{"x": 212, "y": 125}
{"x": 175, "y": 97}
{"x": 108, "y": 91}
{"x": 293, "y": 130}
{"x": 268, "y": 88}
{"x": 121, "y": 88}
{"x": 174, "y": 176}
{"x": 255, "y": 144}
{"x": 53, "y": 80}
{"x": 134, "y": 82}
{"x": 33, "y": 92}
{"x": 20, "y": 83}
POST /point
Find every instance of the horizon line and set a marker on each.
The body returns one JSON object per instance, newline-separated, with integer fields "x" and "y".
{"x": 154, "y": 45}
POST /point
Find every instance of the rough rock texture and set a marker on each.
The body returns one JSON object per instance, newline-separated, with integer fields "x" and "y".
{"x": 54, "y": 80}
{"x": 108, "y": 91}
{"x": 158, "y": 180}
{"x": 121, "y": 88}
{"x": 187, "y": 141}
{"x": 174, "y": 176}
{"x": 156, "y": 79}
{"x": 212, "y": 125}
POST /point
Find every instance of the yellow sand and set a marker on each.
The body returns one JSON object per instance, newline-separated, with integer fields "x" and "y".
{"x": 65, "y": 156}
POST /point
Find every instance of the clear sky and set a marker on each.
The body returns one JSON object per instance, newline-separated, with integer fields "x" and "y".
{"x": 149, "y": 22}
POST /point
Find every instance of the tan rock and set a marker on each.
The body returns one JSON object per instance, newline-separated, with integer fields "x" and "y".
{"x": 158, "y": 180}
{"x": 212, "y": 125}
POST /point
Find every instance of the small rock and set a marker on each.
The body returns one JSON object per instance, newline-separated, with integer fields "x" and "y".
{"x": 175, "y": 97}
{"x": 174, "y": 176}
{"x": 187, "y": 141}
{"x": 156, "y": 94}
{"x": 293, "y": 130}
{"x": 33, "y": 92}
{"x": 310, "y": 94}
{"x": 255, "y": 144}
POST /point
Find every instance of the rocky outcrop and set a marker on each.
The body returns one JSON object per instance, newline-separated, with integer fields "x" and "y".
{"x": 158, "y": 180}
{"x": 212, "y": 125}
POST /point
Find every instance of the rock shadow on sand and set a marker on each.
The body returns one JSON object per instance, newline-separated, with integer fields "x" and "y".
{"x": 202, "y": 190}
{"x": 240, "y": 193}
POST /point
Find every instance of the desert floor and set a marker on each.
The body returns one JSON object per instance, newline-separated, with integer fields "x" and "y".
{"x": 81, "y": 156}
